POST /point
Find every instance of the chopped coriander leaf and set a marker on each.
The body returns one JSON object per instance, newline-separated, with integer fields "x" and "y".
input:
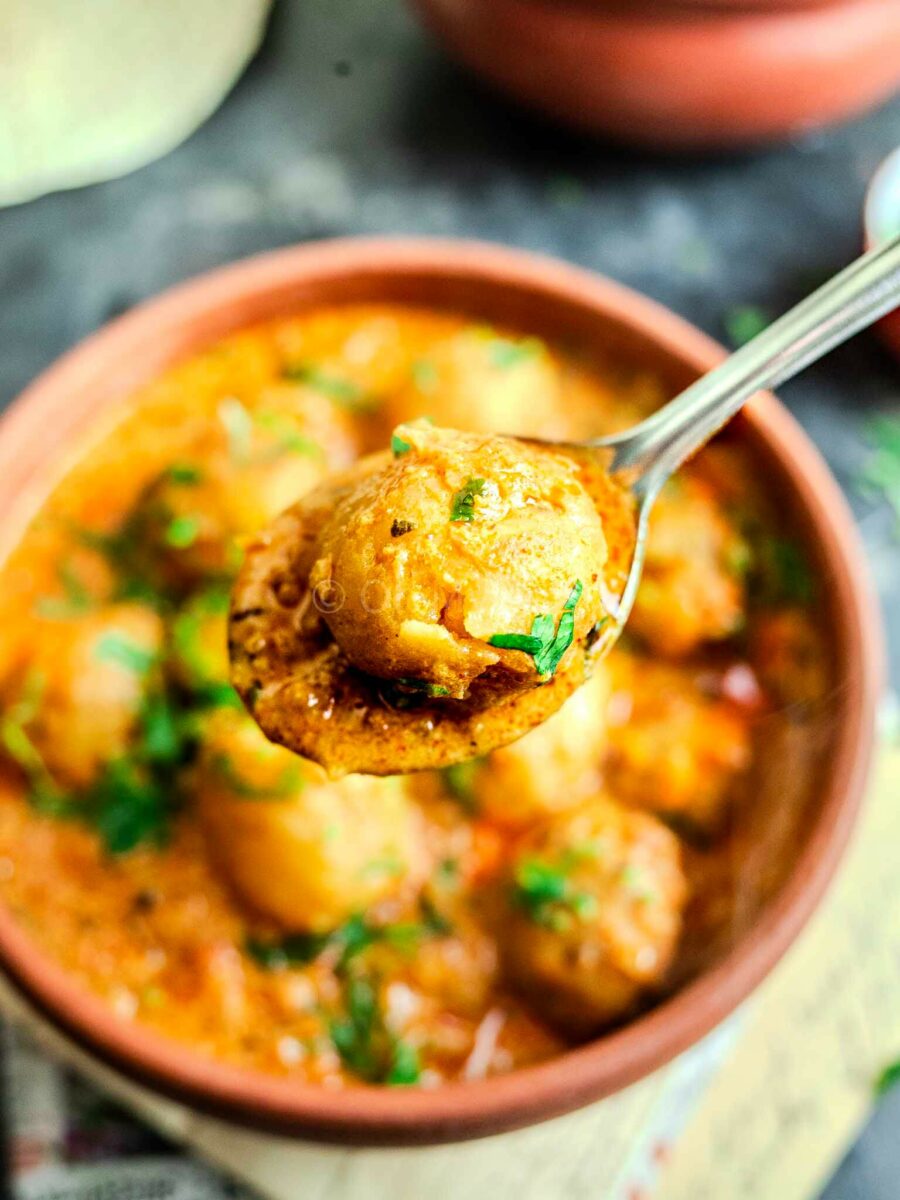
{"x": 354, "y": 1036}
{"x": 289, "y": 782}
{"x": 44, "y": 792}
{"x": 888, "y": 1079}
{"x": 744, "y": 322}
{"x": 539, "y": 883}
{"x": 400, "y": 527}
{"x": 447, "y": 871}
{"x": 738, "y": 558}
{"x": 547, "y": 660}
{"x": 545, "y": 892}
{"x": 526, "y": 642}
{"x": 296, "y": 950}
{"x": 185, "y": 473}
{"x": 117, "y": 648}
{"x": 238, "y": 425}
{"x": 405, "y": 1067}
{"x": 459, "y": 780}
{"x": 880, "y": 476}
{"x": 350, "y": 939}
{"x": 389, "y": 866}
{"x": 635, "y": 880}
{"x": 545, "y": 644}
{"x": 781, "y": 573}
{"x": 505, "y": 353}
{"x": 425, "y": 375}
{"x": 399, "y": 446}
{"x": 216, "y": 695}
{"x": 127, "y": 806}
{"x": 343, "y": 391}
{"x": 462, "y": 507}
{"x": 405, "y": 693}
{"x": 75, "y": 599}
{"x": 288, "y": 438}
{"x": 162, "y": 740}
{"x": 182, "y": 531}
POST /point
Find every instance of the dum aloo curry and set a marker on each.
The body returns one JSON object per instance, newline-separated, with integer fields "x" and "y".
{"x": 399, "y": 930}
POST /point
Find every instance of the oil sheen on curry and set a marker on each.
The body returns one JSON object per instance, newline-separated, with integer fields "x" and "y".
{"x": 404, "y": 930}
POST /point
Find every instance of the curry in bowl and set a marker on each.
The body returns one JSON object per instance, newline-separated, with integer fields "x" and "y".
{"x": 407, "y": 930}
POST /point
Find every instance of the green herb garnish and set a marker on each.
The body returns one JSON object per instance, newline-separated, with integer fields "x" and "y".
{"x": 406, "y": 693}
{"x": 128, "y": 806}
{"x": 544, "y": 890}
{"x": 888, "y": 1079}
{"x": 44, "y": 792}
{"x": 290, "y": 781}
{"x": 505, "y": 353}
{"x": 343, "y": 391}
{"x": 76, "y": 599}
{"x": 425, "y": 375}
{"x": 238, "y": 425}
{"x": 405, "y": 1066}
{"x": 288, "y": 438}
{"x": 399, "y": 446}
{"x": 880, "y": 476}
{"x": 546, "y": 643}
{"x": 115, "y": 647}
{"x": 350, "y": 939}
{"x": 744, "y": 322}
{"x": 182, "y": 531}
{"x": 462, "y": 507}
{"x": 781, "y": 574}
{"x": 459, "y": 780}
{"x": 185, "y": 473}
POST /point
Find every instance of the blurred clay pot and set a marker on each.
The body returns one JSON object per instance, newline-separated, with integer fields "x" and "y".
{"x": 682, "y": 73}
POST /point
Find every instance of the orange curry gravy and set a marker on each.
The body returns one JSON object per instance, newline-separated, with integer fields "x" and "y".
{"x": 152, "y": 844}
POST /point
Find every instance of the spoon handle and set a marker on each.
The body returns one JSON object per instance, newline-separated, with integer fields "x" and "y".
{"x": 866, "y": 290}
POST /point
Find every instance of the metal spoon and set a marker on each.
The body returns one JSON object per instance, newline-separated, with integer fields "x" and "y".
{"x": 647, "y": 454}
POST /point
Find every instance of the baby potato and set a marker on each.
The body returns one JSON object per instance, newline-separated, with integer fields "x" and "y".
{"x": 692, "y": 589}
{"x": 552, "y": 768}
{"x": 303, "y": 851}
{"x": 249, "y": 466}
{"x": 672, "y": 748}
{"x": 90, "y": 676}
{"x": 460, "y": 538}
{"x": 592, "y": 914}
{"x": 481, "y": 381}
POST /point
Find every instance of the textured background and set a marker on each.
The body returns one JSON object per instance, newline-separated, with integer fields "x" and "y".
{"x": 350, "y": 121}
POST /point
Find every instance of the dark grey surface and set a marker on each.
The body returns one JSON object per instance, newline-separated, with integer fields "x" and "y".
{"x": 350, "y": 121}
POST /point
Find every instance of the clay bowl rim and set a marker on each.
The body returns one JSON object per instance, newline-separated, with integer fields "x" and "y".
{"x": 45, "y": 422}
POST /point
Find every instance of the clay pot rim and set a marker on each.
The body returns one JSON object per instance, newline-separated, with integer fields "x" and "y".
{"x": 45, "y": 419}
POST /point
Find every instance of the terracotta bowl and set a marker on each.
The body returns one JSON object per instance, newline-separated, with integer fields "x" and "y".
{"x": 881, "y": 219}
{"x": 676, "y": 78}
{"x": 47, "y": 426}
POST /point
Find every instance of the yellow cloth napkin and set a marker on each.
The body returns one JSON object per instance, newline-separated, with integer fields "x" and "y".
{"x": 94, "y": 88}
{"x": 781, "y": 1113}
